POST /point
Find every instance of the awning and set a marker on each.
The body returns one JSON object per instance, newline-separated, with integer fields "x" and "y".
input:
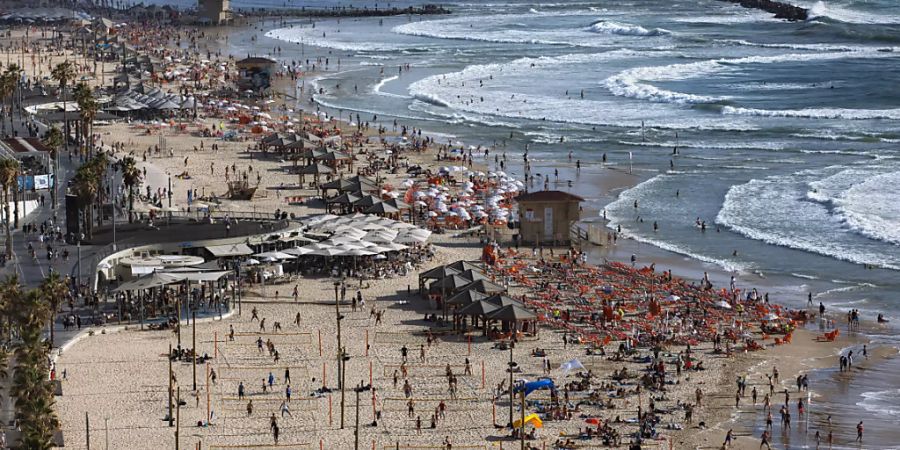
{"x": 221, "y": 251}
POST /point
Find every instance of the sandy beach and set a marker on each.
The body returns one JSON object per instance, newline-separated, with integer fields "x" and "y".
{"x": 117, "y": 377}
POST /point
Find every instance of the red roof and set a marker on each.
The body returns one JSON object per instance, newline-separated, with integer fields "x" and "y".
{"x": 549, "y": 196}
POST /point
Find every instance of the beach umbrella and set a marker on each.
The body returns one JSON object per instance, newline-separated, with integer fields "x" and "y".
{"x": 395, "y": 247}
{"x": 357, "y": 252}
{"x": 571, "y": 365}
{"x": 331, "y": 251}
{"x": 771, "y": 316}
{"x": 410, "y": 239}
{"x": 298, "y": 251}
{"x": 251, "y": 262}
{"x": 723, "y": 304}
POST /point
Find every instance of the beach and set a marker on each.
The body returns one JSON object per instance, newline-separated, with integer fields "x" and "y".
{"x": 117, "y": 376}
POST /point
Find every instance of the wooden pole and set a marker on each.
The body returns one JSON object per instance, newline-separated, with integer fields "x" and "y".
{"x": 208, "y": 415}
{"x": 194, "y": 348}
{"x": 522, "y": 433}
{"x": 170, "y": 386}
{"x": 178, "y": 417}
{"x": 87, "y": 430}
{"x": 469, "y": 351}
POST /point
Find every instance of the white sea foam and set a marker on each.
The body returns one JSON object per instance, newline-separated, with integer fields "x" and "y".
{"x": 805, "y": 276}
{"x": 486, "y": 89}
{"x": 376, "y": 89}
{"x": 829, "y": 10}
{"x": 817, "y": 113}
{"x": 776, "y": 210}
{"x": 635, "y": 83}
{"x": 881, "y": 402}
{"x": 648, "y": 189}
{"x": 871, "y": 207}
{"x": 626, "y": 29}
{"x": 315, "y": 37}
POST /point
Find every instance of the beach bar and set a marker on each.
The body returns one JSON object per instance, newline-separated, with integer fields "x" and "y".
{"x": 546, "y": 216}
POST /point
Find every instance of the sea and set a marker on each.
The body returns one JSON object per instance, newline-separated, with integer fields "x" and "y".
{"x": 782, "y": 137}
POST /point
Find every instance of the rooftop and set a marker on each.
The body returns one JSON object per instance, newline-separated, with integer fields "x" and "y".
{"x": 549, "y": 196}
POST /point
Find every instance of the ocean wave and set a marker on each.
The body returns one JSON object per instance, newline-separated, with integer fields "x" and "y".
{"x": 314, "y": 37}
{"x": 823, "y": 10}
{"x": 881, "y": 402}
{"x": 641, "y": 191}
{"x": 475, "y": 90}
{"x": 776, "y": 210}
{"x": 871, "y": 207}
{"x": 804, "y": 276}
{"x": 812, "y": 47}
{"x": 625, "y": 29}
{"x": 817, "y": 113}
{"x": 634, "y": 83}
{"x": 376, "y": 89}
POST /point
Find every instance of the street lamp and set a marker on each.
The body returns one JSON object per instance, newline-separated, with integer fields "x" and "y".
{"x": 359, "y": 388}
{"x": 338, "y": 318}
{"x": 343, "y": 364}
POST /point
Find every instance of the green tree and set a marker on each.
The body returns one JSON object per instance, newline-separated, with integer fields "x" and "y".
{"x": 131, "y": 177}
{"x": 53, "y": 140}
{"x": 87, "y": 111}
{"x": 63, "y": 73}
{"x": 9, "y": 170}
{"x": 53, "y": 291}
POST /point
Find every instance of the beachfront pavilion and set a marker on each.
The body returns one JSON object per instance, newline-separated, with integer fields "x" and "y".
{"x": 356, "y": 183}
{"x": 514, "y": 319}
{"x": 547, "y": 216}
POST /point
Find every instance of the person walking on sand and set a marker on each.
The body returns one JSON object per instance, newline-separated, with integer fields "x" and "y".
{"x": 241, "y": 391}
{"x": 764, "y": 440}
{"x": 250, "y": 408}
{"x": 254, "y": 314}
{"x": 729, "y": 437}
{"x": 285, "y": 410}
{"x": 859, "y": 431}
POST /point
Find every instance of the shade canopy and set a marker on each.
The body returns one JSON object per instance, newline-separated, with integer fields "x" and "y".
{"x": 464, "y": 298}
{"x": 512, "y": 313}
{"x": 479, "y": 308}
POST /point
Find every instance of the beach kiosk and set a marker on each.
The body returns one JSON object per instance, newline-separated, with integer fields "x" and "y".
{"x": 546, "y": 216}
{"x": 214, "y": 12}
{"x": 255, "y": 73}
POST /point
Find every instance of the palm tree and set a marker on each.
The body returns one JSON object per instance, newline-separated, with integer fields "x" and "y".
{"x": 63, "y": 73}
{"x": 10, "y": 293}
{"x": 52, "y": 291}
{"x": 86, "y": 187}
{"x": 54, "y": 140}
{"x": 7, "y": 87}
{"x": 10, "y": 83}
{"x": 87, "y": 111}
{"x": 131, "y": 177}
{"x": 9, "y": 171}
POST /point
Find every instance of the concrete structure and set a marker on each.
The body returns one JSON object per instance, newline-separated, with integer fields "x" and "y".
{"x": 214, "y": 12}
{"x": 546, "y": 216}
